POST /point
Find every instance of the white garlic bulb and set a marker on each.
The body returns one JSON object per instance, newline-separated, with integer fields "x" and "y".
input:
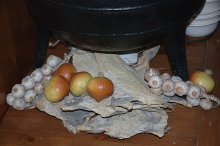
{"x": 194, "y": 92}
{"x": 189, "y": 83}
{"x": 18, "y": 91}
{"x": 176, "y": 78}
{"x": 39, "y": 88}
{"x": 37, "y": 75}
{"x": 46, "y": 69}
{"x": 10, "y": 98}
{"x": 165, "y": 76}
{"x": 19, "y": 104}
{"x": 193, "y": 101}
{"x": 168, "y": 85}
{"x": 206, "y": 104}
{"x": 53, "y": 61}
{"x": 181, "y": 88}
{"x": 155, "y": 82}
{"x": 151, "y": 72}
{"x": 28, "y": 82}
{"x": 30, "y": 95}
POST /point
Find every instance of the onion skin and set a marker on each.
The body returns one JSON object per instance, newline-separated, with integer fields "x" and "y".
{"x": 200, "y": 78}
{"x": 100, "y": 88}
{"x": 78, "y": 83}
{"x": 56, "y": 89}
{"x": 65, "y": 70}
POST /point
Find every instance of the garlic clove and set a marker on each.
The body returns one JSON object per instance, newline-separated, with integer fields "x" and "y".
{"x": 168, "y": 85}
{"x": 19, "y": 104}
{"x": 206, "y": 104}
{"x": 151, "y": 72}
{"x": 46, "y": 70}
{"x": 181, "y": 88}
{"x": 18, "y": 91}
{"x": 37, "y": 75}
{"x": 193, "y": 101}
{"x": 155, "y": 82}
{"x": 39, "y": 88}
{"x": 10, "y": 98}
{"x": 194, "y": 92}
{"x": 27, "y": 82}
{"x": 189, "y": 83}
{"x": 165, "y": 76}
{"x": 30, "y": 95}
{"x": 53, "y": 61}
{"x": 176, "y": 79}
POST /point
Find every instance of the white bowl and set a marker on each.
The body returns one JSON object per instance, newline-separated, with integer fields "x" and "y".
{"x": 201, "y": 31}
{"x": 210, "y": 7}
{"x": 205, "y": 21}
{"x": 131, "y": 58}
{"x": 211, "y": 0}
{"x": 208, "y": 15}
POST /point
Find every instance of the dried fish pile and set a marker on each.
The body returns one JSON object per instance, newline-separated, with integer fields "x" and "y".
{"x": 132, "y": 109}
{"x": 119, "y": 125}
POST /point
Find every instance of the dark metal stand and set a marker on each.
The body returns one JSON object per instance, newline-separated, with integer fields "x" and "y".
{"x": 41, "y": 46}
{"x": 176, "y": 51}
{"x": 174, "y": 44}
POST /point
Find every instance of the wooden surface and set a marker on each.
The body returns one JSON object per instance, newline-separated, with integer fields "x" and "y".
{"x": 190, "y": 126}
{"x": 17, "y": 40}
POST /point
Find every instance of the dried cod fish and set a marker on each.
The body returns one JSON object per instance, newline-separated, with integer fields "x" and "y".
{"x": 125, "y": 78}
{"x": 132, "y": 109}
{"x": 129, "y": 124}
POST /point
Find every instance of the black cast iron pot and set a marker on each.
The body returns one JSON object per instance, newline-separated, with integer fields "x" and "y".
{"x": 115, "y": 25}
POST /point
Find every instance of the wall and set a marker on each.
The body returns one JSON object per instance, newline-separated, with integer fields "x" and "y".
{"x": 17, "y": 41}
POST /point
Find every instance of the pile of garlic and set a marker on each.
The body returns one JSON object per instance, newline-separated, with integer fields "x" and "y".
{"x": 169, "y": 86}
{"x": 22, "y": 95}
